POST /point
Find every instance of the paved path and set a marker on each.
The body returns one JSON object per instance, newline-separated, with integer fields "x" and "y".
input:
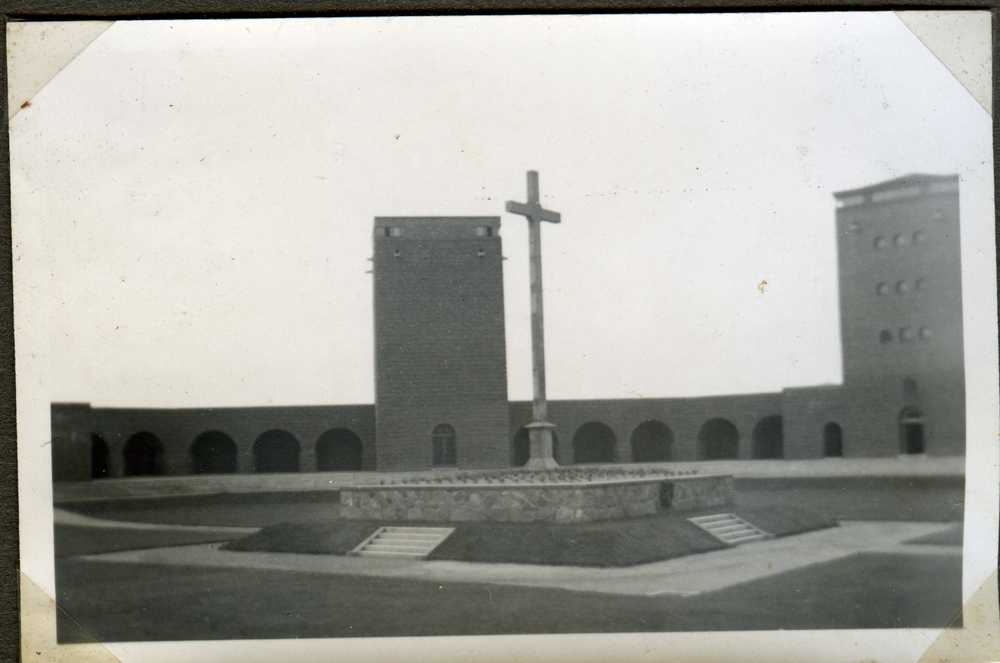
{"x": 683, "y": 576}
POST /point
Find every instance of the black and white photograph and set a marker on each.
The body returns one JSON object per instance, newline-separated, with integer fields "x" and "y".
{"x": 601, "y": 336}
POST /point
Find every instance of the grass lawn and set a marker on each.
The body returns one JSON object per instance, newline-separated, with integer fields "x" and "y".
{"x": 121, "y": 602}
{"x": 610, "y": 543}
{"x": 221, "y": 510}
{"x": 950, "y": 537}
{"x": 72, "y": 540}
{"x": 607, "y": 543}
{"x": 927, "y": 499}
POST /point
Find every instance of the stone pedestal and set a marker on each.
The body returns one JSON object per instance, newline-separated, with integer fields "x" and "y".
{"x": 540, "y": 446}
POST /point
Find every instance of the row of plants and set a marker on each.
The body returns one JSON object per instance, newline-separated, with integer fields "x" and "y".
{"x": 559, "y": 475}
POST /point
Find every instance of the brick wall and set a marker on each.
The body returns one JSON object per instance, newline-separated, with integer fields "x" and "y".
{"x": 440, "y": 353}
{"x": 901, "y": 310}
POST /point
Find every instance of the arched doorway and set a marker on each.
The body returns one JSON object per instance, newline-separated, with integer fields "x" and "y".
{"x": 276, "y": 451}
{"x": 768, "y": 441}
{"x": 651, "y": 442}
{"x": 443, "y": 446}
{"x": 98, "y": 457}
{"x": 594, "y": 442}
{"x": 521, "y": 447}
{"x": 911, "y": 432}
{"x": 338, "y": 450}
{"x": 718, "y": 440}
{"x": 213, "y": 452}
{"x": 833, "y": 440}
{"x": 143, "y": 455}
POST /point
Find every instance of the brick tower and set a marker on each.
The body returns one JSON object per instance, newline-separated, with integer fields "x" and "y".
{"x": 901, "y": 316}
{"x": 440, "y": 348}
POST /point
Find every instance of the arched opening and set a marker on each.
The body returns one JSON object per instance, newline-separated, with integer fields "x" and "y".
{"x": 833, "y": 440}
{"x": 718, "y": 440}
{"x": 98, "y": 457}
{"x": 213, "y": 452}
{"x": 143, "y": 455}
{"x": 911, "y": 432}
{"x": 594, "y": 442}
{"x": 521, "y": 446}
{"x": 338, "y": 450}
{"x": 443, "y": 446}
{"x": 651, "y": 442}
{"x": 276, "y": 451}
{"x": 768, "y": 441}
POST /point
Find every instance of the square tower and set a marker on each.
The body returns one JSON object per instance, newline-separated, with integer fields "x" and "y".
{"x": 440, "y": 346}
{"x": 901, "y": 309}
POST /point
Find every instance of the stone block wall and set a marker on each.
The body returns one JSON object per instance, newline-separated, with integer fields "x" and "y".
{"x": 695, "y": 492}
{"x": 556, "y": 503}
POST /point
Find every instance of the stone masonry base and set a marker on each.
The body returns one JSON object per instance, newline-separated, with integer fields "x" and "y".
{"x": 556, "y": 502}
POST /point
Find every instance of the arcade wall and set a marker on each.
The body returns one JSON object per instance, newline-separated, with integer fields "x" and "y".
{"x": 801, "y": 423}
{"x": 76, "y": 428}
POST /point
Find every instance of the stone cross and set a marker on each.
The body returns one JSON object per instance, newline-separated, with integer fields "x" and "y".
{"x": 539, "y": 430}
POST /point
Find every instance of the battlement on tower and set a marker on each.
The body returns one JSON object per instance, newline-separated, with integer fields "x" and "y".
{"x": 434, "y": 228}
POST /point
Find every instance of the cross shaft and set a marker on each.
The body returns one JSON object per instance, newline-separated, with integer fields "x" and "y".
{"x": 540, "y": 430}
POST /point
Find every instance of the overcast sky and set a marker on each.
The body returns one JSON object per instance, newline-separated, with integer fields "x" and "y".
{"x": 201, "y": 194}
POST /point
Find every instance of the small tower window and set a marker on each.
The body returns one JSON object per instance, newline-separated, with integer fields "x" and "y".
{"x": 484, "y": 231}
{"x": 393, "y": 231}
{"x": 938, "y": 215}
{"x": 855, "y": 227}
{"x": 919, "y": 237}
{"x": 885, "y": 336}
{"x": 882, "y": 288}
{"x": 902, "y": 287}
{"x": 879, "y": 243}
{"x": 901, "y": 240}
{"x": 906, "y": 334}
{"x": 443, "y": 446}
{"x": 481, "y": 253}
{"x": 925, "y": 333}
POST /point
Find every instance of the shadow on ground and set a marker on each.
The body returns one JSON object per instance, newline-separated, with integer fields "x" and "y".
{"x": 136, "y": 602}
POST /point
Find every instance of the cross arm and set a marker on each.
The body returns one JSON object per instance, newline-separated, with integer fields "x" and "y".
{"x": 533, "y": 211}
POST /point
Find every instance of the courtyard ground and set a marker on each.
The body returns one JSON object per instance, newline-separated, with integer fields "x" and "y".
{"x": 168, "y": 589}
{"x": 117, "y": 601}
